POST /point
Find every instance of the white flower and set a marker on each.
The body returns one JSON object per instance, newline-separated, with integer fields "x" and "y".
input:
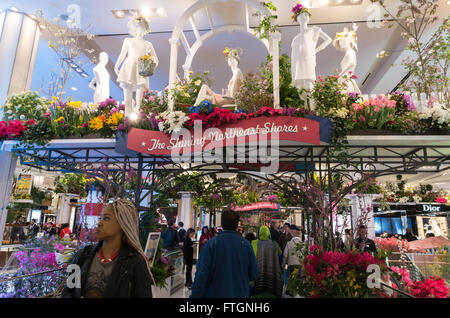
{"x": 417, "y": 198}
{"x": 412, "y": 41}
{"x": 161, "y": 126}
{"x": 198, "y": 82}
{"x": 22, "y": 117}
{"x": 342, "y": 112}
{"x": 403, "y": 199}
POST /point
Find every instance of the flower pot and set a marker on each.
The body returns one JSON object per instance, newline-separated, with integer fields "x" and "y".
{"x": 146, "y": 68}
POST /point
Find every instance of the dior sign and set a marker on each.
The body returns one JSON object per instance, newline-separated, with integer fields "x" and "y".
{"x": 431, "y": 208}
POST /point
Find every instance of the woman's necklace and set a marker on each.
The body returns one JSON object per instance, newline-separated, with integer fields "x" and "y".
{"x": 103, "y": 260}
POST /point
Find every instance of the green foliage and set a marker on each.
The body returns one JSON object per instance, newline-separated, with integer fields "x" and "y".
{"x": 255, "y": 91}
{"x": 266, "y": 26}
{"x": 71, "y": 183}
{"x": 289, "y": 94}
{"x": 187, "y": 90}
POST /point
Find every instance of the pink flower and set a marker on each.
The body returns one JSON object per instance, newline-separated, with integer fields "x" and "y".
{"x": 354, "y": 76}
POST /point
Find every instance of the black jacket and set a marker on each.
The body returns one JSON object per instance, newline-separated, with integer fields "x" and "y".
{"x": 366, "y": 245}
{"x": 409, "y": 237}
{"x": 188, "y": 250}
{"x": 129, "y": 278}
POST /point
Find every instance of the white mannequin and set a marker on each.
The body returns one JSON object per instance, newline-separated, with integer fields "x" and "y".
{"x": 101, "y": 79}
{"x": 206, "y": 92}
{"x": 303, "y": 68}
{"x": 346, "y": 42}
{"x": 128, "y": 76}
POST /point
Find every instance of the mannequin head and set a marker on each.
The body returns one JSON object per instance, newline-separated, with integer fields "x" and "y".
{"x": 138, "y": 26}
{"x": 345, "y": 40}
{"x": 103, "y": 58}
{"x": 303, "y": 18}
{"x": 233, "y": 57}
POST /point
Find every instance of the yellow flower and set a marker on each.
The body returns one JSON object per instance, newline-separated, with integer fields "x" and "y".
{"x": 59, "y": 119}
{"x": 96, "y": 123}
{"x": 77, "y": 104}
{"x": 114, "y": 119}
{"x": 226, "y": 51}
{"x": 187, "y": 95}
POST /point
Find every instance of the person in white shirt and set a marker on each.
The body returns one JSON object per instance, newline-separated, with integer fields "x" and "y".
{"x": 291, "y": 257}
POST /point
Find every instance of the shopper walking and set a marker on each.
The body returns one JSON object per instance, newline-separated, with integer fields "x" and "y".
{"x": 170, "y": 236}
{"x": 286, "y": 236}
{"x": 203, "y": 238}
{"x": 274, "y": 234}
{"x": 116, "y": 267}
{"x": 181, "y": 232}
{"x": 267, "y": 254}
{"x": 226, "y": 265}
{"x": 348, "y": 239}
{"x": 291, "y": 256}
{"x": 188, "y": 253}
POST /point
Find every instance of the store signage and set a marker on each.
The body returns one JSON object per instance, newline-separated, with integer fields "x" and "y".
{"x": 258, "y": 130}
{"x": 256, "y": 206}
{"x": 431, "y": 208}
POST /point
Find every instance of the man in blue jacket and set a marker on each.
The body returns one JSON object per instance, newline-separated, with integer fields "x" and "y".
{"x": 226, "y": 264}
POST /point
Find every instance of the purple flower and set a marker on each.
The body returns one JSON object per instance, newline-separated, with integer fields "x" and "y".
{"x": 215, "y": 196}
{"x": 272, "y": 198}
{"x": 121, "y": 127}
{"x": 291, "y": 111}
{"x": 153, "y": 121}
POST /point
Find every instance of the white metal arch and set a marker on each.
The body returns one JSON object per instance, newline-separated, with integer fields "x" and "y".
{"x": 178, "y": 34}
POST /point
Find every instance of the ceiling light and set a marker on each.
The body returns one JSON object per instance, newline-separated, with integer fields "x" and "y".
{"x": 146, "y": 11}
{"x": 32, "y": 16}
{"x": 14, "y": 9}
{"x": 120, "y": 14}
{"x": 323, "y": 2}
{"x": 43, "y": 26}
{"x": 79, "y": 70}
{"x": 74, "y": 88}
{"x": 339, "y": 1}
{"x": 84, "y": 75}
{"x": 161, "y": 12}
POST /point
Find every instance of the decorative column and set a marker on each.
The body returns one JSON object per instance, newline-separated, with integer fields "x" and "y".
{"x": 364, "y": 202}
{"x": 173, "y": 70}
{"x": 63, "y": 214}
{"x": 185, "y": 211}
{"x": 7, "y": 169}
{"x": 19, "y": 39}
{"x": 275, "y": 40}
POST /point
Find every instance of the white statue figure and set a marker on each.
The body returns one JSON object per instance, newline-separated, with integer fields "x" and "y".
{"x": 304, "y": 49}
{"x": 233, "y": 59}
{"x": 100, "y": 82}
{"x": 133, "y": 49}
{"x": 346, "y": 41}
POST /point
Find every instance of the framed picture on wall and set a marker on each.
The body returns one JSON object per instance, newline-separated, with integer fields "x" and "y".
{"x": 152, "y": 246}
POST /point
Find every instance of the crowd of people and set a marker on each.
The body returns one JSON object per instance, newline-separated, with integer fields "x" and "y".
{"x": 20, "y": 233}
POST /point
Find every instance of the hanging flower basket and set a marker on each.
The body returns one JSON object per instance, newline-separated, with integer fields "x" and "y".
{"x": 146, "y": 66}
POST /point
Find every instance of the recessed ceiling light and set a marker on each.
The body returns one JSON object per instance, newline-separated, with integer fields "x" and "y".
{"x": 84, "y": 75}
{"x": 146, "y": 11}
{"x": 161, "y": 12}
{"x": 120, "y": 14}
{"x": 74, "y": 88}
{"x": 79, "y": 70}
{"x": 323, "y": 2}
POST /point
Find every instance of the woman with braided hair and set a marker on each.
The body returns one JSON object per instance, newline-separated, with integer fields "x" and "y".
{"x": 116, "y": 267}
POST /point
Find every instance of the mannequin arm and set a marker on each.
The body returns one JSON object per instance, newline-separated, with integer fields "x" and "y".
{"x": 91, "y": 83}
{"x": 326, "y": 41}
{"x": 122, "y": 56}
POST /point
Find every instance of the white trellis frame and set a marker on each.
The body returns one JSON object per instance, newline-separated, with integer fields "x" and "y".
{"x": 178, "y": 34}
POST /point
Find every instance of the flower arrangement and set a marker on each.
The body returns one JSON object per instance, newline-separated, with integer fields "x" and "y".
{"x": 436, "y": 117}
{"x": 186, "y": 90}
{"x": 154, "y": 101}
{"x": 299, "y": 9}
{"x": 171, "y": 121}
{"x": 36, "y": 256}
{"x": 14, "y": 129}
{"x": 71, "y": 183}
{"x": 431, "y": 287}
{"x": 333, "y": 274}
{"x": 272, "y": 198}
{"x": 205, "y": 107}
{"x": 254, "y": 92}
{"x": 26, "y": 106}
{"x": 374, "y": 113}
{"x": 146, "y": 65}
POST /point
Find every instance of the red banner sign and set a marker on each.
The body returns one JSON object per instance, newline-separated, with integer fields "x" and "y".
{"x": 259, "y": 129}
{"x": 256, "y": 206}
